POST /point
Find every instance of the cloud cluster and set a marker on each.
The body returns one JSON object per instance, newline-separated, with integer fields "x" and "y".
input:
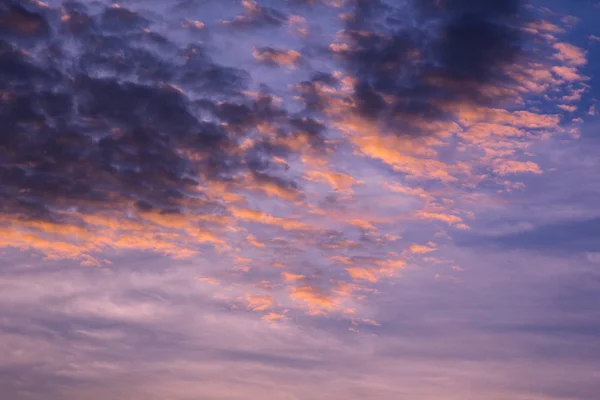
{"x": 418, "y": 62}
{"x": 303, "y": 199}
{"x": 124, "y": 131}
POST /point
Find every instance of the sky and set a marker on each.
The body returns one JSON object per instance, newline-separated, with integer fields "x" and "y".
{"x": 299, "y": 200}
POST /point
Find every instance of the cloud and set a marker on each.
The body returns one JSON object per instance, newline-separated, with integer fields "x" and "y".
{"x": 18, "y": 21}
{"x": 314, "y": 298}
{"x": 291, "y": 277}
{"x": 421, "y": 249}
{"x": 448, "y": 218}
{"x": 264, "y": 218}
{"x": 337, "y": 180}
{"x": 274, "y": 317}
{"x": 186, "y": 222}
{"x": 275, "y": 57}
{"x": 259, "y": 302}
{"x": 414, "y": 73}
{"x": 570, "y": 54}
{"x": 568, "y": 73}
{"x": 89, "y": 133}
{"x": 512, "y": 167}
{"x": 297, "y": 25}
{"x": 361, "y": 274}
{"x": 125, "y": 133}
{"x": 569, "y": 236}
{"x": 256, "y": 16}
{"x": 104, "y": 318}
{"x": 86, "y": 140}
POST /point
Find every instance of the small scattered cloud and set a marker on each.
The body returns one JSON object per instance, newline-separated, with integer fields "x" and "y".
{"x": 276, "y": 57}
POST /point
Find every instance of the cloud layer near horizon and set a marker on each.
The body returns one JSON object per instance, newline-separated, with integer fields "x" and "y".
{"x": 293, "y": 161}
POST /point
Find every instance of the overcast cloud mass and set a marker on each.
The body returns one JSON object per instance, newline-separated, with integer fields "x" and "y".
{"x": 299, "y": 200}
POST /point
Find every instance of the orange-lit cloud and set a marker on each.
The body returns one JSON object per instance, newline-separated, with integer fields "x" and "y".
{"x": 569, "y": 54}
{"x": 284, "y": 58}
{"x": 313, "y": 298}
{"x": 259, "y": 302}
{"x": 304, "y": 195}
{"x": 361, "y": 274}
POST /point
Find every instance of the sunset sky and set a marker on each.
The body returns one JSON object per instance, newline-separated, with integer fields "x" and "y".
{"x": 299, "y": 200}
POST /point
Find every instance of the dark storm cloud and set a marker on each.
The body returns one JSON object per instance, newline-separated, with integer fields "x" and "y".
{"x": 18, "y": 20}
{"x": 412, "y": 62}
{"x": 96, "y": 112}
